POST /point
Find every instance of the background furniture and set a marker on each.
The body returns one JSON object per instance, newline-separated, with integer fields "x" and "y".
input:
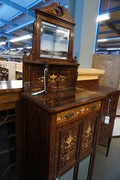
{"x": 11, "y": 130}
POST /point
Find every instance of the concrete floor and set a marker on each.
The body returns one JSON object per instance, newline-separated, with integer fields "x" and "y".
{"x": 108, "y": 168}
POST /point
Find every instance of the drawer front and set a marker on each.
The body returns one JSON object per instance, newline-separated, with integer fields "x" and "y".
{"x": 78, "y": 112}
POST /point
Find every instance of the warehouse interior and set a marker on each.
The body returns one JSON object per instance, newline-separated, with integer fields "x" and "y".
{"x": 96, "y": 54}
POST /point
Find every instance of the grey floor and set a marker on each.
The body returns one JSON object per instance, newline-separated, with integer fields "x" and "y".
{"x": 108, "y": 168}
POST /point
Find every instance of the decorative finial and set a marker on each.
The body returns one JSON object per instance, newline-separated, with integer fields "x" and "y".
{"x": 75, "y": 58}
{"x": 59, "y": 10}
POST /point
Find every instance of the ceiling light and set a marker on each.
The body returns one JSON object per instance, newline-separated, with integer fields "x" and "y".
{"x": 102, "y": 40}
{"x": 19, "y": 48}
{"x": 108, "y": 39}
{"x": 112, "y": 49}
{"x": 103, "y": 17}
{"x": 29, "y": 47}
{"x": 13, "y": 49}
{"x": 2, "y": 43}
{"x": 21, "y": 38}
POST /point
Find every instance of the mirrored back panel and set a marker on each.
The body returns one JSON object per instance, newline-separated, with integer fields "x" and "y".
{"x": 54, "y": 41}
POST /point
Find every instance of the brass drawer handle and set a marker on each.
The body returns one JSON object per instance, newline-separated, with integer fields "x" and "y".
{"x": 68, "y": 116}
{"x": 93, "y": 107}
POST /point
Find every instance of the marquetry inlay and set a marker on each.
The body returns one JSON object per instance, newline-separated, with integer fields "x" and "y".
{"x": 77, "y": 112}
{"x": 68, "y": 147}
{"x": 87, "y": 135}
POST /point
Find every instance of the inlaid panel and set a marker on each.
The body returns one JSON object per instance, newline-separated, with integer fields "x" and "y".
{"x": 77, "y": 112}
{"x": 55, "y": 77}
{"x": 88, "y": 133}
{"x": 67, "y": 147}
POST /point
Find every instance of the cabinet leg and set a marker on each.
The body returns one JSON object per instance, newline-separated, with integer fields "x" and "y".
{"x": 108, "y": 146}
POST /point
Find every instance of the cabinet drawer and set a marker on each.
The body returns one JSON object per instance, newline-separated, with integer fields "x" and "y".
{"x": 78, "y": 112}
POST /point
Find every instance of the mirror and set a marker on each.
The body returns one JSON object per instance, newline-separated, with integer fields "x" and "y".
{"x": 54, "y": 41}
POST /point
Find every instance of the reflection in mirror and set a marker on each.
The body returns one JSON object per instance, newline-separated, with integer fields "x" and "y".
{"x": 54, "y": 41}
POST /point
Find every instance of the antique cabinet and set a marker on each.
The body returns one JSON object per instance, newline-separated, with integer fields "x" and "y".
{"x": 60, "y": 134}
{"x": 10, "y": 130}
{"x": 61, "y": 121}
{"x": 109, "y": 109}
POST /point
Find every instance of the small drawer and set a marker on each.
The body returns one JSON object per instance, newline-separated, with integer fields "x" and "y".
{"x": 78, "y": 112}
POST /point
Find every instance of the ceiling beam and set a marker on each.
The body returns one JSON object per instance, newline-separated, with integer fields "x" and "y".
{"x": 113, "y": 22}
{"x": 14, "y": 24}
{"x": 8, "y": 22}
{"x": 111, "y": 26}
{"x": 20, "y": 26}
{"x": 111, "y": 10}
{"x": 18, "y": 7}
{"x": 3, "y": 33}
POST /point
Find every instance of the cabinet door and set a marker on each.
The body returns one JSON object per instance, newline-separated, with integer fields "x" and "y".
{"x": 88, "y": 135}
{"x": 66, "y": 148}
{"x": 8, "y": 144}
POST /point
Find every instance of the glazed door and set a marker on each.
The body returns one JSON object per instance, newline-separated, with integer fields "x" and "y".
{"x": 8, "y": 145}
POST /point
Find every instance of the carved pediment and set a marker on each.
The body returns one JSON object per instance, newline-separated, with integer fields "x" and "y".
{"x": 56, "y": 10}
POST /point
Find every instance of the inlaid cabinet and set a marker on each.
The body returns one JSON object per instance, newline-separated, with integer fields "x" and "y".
{"x": 56, "y": 143}
{"x": 61, "y": 121}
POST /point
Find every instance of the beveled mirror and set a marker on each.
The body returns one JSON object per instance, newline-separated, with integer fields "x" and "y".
{"x": 54, "y": 41}
{"x": 53, "y": 34}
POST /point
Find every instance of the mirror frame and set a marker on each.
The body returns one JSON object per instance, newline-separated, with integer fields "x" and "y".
{"x": 57, "y": 15}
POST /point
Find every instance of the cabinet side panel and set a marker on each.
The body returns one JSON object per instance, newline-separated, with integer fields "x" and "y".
{"x": 36, "y": 127}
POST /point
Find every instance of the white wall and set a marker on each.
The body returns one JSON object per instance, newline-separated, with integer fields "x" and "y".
{"x": 85, "y": 13}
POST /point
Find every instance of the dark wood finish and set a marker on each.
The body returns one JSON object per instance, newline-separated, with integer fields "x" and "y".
{"x": 87, "y": 83}
{"x": 52, "y": 148}
{"x": 62, "y": 74}
{"x": 60, "y": 126}
{"x": 11, "y": 119}
{"x": 106, "y": 130}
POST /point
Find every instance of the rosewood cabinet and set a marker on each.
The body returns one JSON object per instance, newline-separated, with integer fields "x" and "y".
{"x": 60, "y": 138}
{"x": 60, "y": 122}
{"x": 109, "y": 109}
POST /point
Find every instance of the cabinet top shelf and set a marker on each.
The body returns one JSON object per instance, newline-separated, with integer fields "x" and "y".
{"x": 54, "y": 102}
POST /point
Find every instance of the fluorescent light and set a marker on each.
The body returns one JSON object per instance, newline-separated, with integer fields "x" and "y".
{"x": 2, "y": 43}
{"x": 21, "y": 38}
{"x": 103, "y": 17}
{"x": 29, "y": 47}
{"x": 102, "y": 40}
{"x": 19, "y": 48}
{"x": 112, "y": 49}
{"x": 108, "y": 39}
{"x": 13, "y": 49}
